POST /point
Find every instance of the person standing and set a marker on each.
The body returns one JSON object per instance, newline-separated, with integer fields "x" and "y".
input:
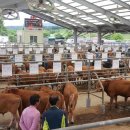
{"x": 30, "y": 118}
{"x": 54, "y": 117}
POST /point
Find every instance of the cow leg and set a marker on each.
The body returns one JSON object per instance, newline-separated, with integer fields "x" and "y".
{"x": 71, "y": 118}
{"x": 11, "y": 122}
{"x": 116, "y": 106}
{"x": 111, "y": 102}
{"x": 125, "y": 102}
{"x": 17, "y": 120}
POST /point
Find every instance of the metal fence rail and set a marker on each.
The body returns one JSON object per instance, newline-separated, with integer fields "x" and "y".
{"x": 96, "y": 124}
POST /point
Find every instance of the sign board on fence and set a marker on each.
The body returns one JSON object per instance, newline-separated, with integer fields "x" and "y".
{"x": 38, "y": 58}
{"x": 59, "y": 43}
{"x": 26, "y": 51}
{"x": 33, "y": 68}
{"x": 93, "y": 48}
{"x": 104, "y": 56}
{"x": 9, "y": 49}
{"x": 123, "y": 49}
{"x": 115, "y": 49}
{"x": 74, "y": 56}
{"x": 106, "y": 50}
{"x": 118, "y": 54}
{"x": 2, "y": 51}
{"x": 90, "y": 56}
{"x": 101, "y": 47}
{"x": 19, "y": 58}
{"x": 97, "y": 65}
{"x": 49, "y": 50}
{"x": 37, "y": 50}
{"x": 15, "y": 50}
{"x": 115, "y": 64}
{"x": 61, "y": 50}
{"x": 78, "y": 66}
{"x": 41, "y": 49}
{"x": 20, "y": 48}
{"x": 56, "y": 67}
{"x": 6, "y": 70}
{"x": 30, "y": 48}
{"x": 109, "y": 48}
{"x": 57, "y": 57}
{"x": 72, "y": 49}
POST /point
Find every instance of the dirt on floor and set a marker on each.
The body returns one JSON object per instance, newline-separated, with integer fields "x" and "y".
{"x": 94, "y": 113}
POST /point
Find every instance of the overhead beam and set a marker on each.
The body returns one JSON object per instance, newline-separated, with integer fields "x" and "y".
{"x": 5, "y": 3}
{"x": 66, "y": 20}
{"x": 83, "y": 12}
{"x": 124, "y": 4}
{"x": 75, "y": 18}
{"x": 48, "y": 18}
{"x": 103, "y": 11}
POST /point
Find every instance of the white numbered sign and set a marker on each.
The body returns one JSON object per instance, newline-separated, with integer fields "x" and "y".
{"x": 20, "y": 49}
{"x": 15, "y": 51}
{"x": 9, "y": 49}
{"x": 118, "y": 54}
{"x": 6, "y": 70}
{"x": 34, "y": 68}
{"x": 2, "y": 51}
{"x": 38, "y": 58}
{"x": 57, "y": 57}
{"x": 90, "y": 56}
{"x": 30, "y": 48}
{"x": 61, "y": 50}
{"x": 72, "y": 49}
{"x": 56, "y": 67}
{"x": 19, "y": 58}
{"x": 97, "y": 65}
{"x": 115, "y": 64}
{"x": 37, "y": 50}
{"x": 50, "y": 50}
{"x": 78, "y": 66}
{"x": 104, "y": 56}
{"x": 93, "y": 48}
{"x": 74, "y": 56}
{"x": 26, "y": 51}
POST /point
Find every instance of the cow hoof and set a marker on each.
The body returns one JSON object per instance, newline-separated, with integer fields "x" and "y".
{"x": 71, "y": 123}
{"x": 8, "y": 128}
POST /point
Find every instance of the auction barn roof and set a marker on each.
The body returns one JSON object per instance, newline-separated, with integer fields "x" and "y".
{"x": 83, "y": 15}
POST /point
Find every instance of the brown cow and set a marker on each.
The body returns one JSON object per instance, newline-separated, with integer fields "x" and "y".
{"x": 10, "y": 103}
{"x": 60, "y": 103}
{"x": 70, "y": 93}
{"x": 26, "y": 94}
{"x": 115, "y": 88}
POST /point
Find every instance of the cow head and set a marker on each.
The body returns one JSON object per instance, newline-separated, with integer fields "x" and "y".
{"x": 60, "y": 87}
{"x": 105, "y": 85}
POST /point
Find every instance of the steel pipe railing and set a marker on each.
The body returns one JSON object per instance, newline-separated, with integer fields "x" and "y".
{"x": 96, "y": 124}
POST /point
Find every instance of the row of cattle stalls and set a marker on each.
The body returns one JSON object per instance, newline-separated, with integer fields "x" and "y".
{"x": 83, "y": 65}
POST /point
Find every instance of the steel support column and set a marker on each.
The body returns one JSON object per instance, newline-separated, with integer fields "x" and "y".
{"x": 75, "y": 36}
{"x": 99, "y": 36}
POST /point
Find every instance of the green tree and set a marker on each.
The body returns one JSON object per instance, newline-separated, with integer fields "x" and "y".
{"x": 3, "y": 30}
{"x": 12, "y": 35}
{"x": 46, "y": 33}
{"x": 117, "y": 36}
{"x": 107, "y": 36}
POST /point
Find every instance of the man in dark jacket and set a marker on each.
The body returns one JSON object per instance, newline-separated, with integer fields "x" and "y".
{"x": 54, "y": 117}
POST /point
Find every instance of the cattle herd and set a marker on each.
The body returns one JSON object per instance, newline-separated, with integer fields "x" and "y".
{"x": 14, "y": 100}
{"x": 77, "y": 70}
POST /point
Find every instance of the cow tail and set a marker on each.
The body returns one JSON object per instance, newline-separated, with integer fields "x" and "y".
{"x": 20, "y": 107}
{"x": 71, "y": 99}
